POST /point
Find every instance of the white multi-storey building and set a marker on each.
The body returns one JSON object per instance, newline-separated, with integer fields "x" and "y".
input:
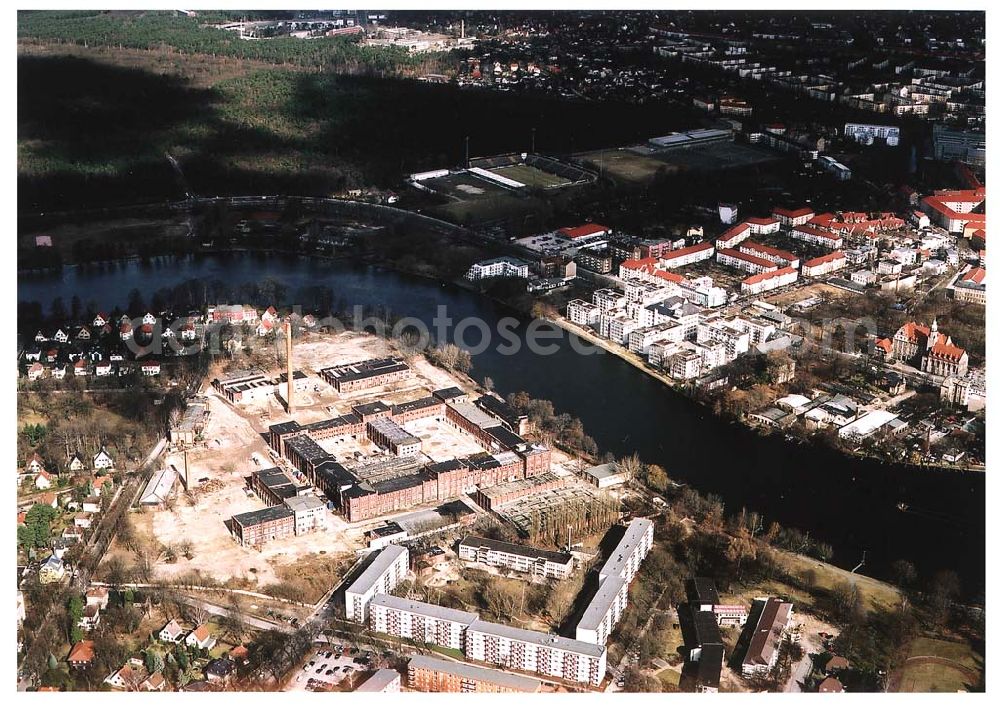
{"x": 531, "y": 651}
{"x": 687, "y": 255}
{"x": 384, "y": 572}
{"x": 769, "y": 281}
{"x": 500, "y": 267}
{"x": 583, "y": 313}
{"x": 868, "y": 133}
{"x": 744, "y": 261}
{"x": 812, "y": 235}
{"x": 423, "y": 622}
{"x": 529, "y": 560}
{"x": 735, "y": 339}
{"x": 820, "y": 266}
{"x": 769, "y": 253}
{"x": 639, "y": 341}
{"x": 608, "y": 299}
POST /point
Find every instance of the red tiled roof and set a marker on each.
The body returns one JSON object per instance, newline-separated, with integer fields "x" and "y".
{"x": 946, "y": 351}
{"x": 769, "y": 250}
{"x": 913, "y": 332}
{"x": 677, "y": 253}
{"x": 757, "y": 278}
{"x": 831, "y": 684}
{"x": 578, "y": 232}
{"x": 749, "y": 258}
{"x": 819, "y": 260}
{"x": 792, "y": 213}
{"x": 761, "y": 221}
{"x": 885, "y": 344}
{"x": 976, "y": 275}
{"x": 201, "y": 633}
{"x": 812, "y": 231}
{"x": 733, "y": 231}
{"x": 83, "y": 651}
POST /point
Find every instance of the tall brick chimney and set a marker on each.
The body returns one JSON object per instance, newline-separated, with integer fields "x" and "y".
{"x": 288, "y": 360}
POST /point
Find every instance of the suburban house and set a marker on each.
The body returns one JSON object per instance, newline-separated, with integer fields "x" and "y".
{"x": 35, "y": 464}
{"x": 150, "y": 369}
{"x": 172, "y": 632}
{"x": 91, "y": 617}
{"x": 130, "y": 676}
{"x": 81, "y": 654}
{"x": 200, "y": 638}
{"x": 220, "y": 670}
{"x": 92, "y": 504}
{"x": 103, "y": 461}
{"x": 98, "y": 596}
{"x": 35, "y": 371}
{"x": 44, "y": 480}
{"x": 156, "y": 682}
{"x": 52, "y": 571}
{"x": 75, "y": 463}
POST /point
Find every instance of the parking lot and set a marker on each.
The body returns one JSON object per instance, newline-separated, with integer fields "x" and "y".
{"x": 325, "y": 670}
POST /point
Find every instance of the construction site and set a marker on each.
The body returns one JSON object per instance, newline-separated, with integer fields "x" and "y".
{"x": 284, "y": 466}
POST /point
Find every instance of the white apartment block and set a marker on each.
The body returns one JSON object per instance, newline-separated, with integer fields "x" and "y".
{"x": 703, "y": 293}
{"x": 608, "y": 299}
{"x": 604, "y": 611}
{"x": 687, "y": 255}
{"x": 812, "y": 235}
{"x": 645, "y": 293}
{"x": 730, "y": 238}
{"x": 864, "y": 277}
{"x": 763, "y": 225}
{"x": 583, "y": 313}
{"x": 744, "y": 261}
{"x": 793, "y": 217}
{"x": 531, "y": 651}
{"x": 769, "y": 253}
{"x": 833, "y": 261}
{"x": 386, "y": 570}
{"x": 660, "y": 353}
{"x": 529, "y": 560}
{"x": 769, "y": 281}
{"x": 620, "y": 327}
{"x": 500, "y": 267}
{"x": 639, "y": 341}
{"x": 606, "y": 607}
{"x": 422, "y": 622}
{"x": 685, "y": 364}
{"x": 868, "y": 133}
{"x": 625, "y": 560}
{"x": 735, "y": 340}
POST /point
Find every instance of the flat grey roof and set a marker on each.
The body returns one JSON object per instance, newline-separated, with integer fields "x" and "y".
{"x": 555, "y": 557}
{"x": 600, "y": 603}
{"x": 600, "y": 472}
{"x": 378, "y": 681}
{"x": 303, "y": 503}
{"x": 420, "y": 608}
{"x": 536, "y": 638}
{"x": 480, "y": 674}
{"x": 384, "y": 558}
{"x": 616, "y": 562}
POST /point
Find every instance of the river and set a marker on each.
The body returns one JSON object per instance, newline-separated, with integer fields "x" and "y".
{"x": 849, "y": 503}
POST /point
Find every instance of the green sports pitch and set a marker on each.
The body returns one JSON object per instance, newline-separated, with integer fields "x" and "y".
{"x": 530, "y": 176}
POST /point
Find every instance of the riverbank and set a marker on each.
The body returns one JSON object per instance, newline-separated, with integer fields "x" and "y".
{"x": 631, "y": 358}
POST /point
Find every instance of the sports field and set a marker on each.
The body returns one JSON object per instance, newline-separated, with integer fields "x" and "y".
{"x": 937, "y": 665}
{"x": 464, "y": 186}
{"x": 530, "y": 176}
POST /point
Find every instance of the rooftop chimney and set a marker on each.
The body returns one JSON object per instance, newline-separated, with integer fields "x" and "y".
{"x": 288, "y": 361}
